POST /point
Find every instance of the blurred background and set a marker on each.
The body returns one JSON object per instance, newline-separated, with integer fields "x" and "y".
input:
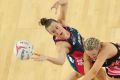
{"x": 19, "y": 21}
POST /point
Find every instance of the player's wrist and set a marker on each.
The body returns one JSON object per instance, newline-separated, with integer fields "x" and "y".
{"x": 46, "y": 57}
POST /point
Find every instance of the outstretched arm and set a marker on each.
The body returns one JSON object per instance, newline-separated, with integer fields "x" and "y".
{"x": 87, "y": 63}
{"x": 103, "y": 54}
{"x": 63, "y": 10}
{"x": 62, "y": 48}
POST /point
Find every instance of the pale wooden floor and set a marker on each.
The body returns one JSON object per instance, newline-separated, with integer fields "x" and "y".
{"x": 19, "y": 20}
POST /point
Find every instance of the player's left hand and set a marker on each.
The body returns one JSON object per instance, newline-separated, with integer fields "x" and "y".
{"x": 55, "y": 6}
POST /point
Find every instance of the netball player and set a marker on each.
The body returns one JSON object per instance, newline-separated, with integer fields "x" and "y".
{"x": 102, "y": 54}
{"x": 68, "y": 42}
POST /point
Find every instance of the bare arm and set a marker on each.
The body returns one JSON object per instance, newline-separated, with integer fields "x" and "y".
{"x": 63, "y": 10}
{"x": 101, "y": 75}
{"x": 87, "y": 63}
{"x": 62, "y": 48}
{"x": 74, "y": 76}
{"x": 103, "y": 54}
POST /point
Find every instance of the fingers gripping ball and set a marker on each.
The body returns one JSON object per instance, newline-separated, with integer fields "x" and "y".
{"x": 23, "y": 49}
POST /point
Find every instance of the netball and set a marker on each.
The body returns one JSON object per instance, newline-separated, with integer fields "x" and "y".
{"x": 23, "y": 49}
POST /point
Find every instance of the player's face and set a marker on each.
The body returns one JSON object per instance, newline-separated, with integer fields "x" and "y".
{"x": 56, "y": 29}
{"x": 92, "y": 53}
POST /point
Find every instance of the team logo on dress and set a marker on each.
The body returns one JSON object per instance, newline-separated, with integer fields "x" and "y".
{"x": 79, "y": 40}
{"x": 71, "y": 59}
{"x": 119, "y": 57}
{"x": 115, "y": 64}
{"x": 74, "y": 40}
{"x": 119, "y": 48}
{"x": 79, "y": 61}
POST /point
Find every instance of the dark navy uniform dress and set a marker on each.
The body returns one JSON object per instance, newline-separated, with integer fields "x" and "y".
{"x": 75, "y": 56}
{"x": 112, "y": 65}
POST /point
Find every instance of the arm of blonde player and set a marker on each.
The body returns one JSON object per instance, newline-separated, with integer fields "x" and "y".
{"x": 73, "y": 76}
{"x": 63, "y": 10}
{"x": 98, "y": 64}
{"x": 62, "y": 50}
{"x": 87, "y": 63}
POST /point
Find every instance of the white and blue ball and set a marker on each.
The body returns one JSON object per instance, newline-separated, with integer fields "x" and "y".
{"x": 23, "y": 49}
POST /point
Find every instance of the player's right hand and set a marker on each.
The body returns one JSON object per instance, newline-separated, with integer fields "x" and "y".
{"x": 38, "y": 57}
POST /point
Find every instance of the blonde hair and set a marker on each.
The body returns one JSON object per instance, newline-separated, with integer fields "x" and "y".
{"x": 91, "y": 43}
